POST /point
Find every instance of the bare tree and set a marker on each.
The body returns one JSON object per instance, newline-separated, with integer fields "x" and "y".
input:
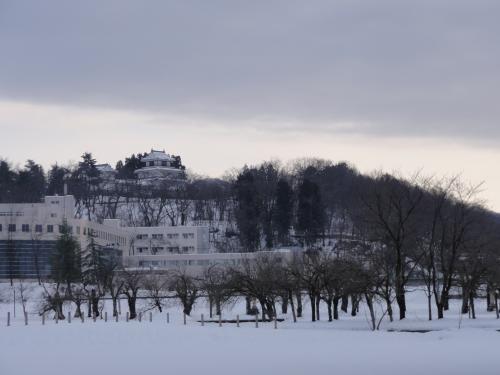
{"x": 132, "y": 282}
{"x": 24, "y": 291}
{"x": 216, "y": 283}
{"x": 186, "y": 288}
{"x": 156, "y": 288}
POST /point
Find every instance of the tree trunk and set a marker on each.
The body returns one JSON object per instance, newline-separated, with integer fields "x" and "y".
{"x": 496, "y": 305}
{"x": 345, "y": 303}
{"x": 335, "y": 308}
{"x": 465, "y": 302}
{"x": 78, "y": 311}
{"x": 313, "y": 306}
{"x": 329, "y": 303}
{"x": 131, "y": 307}
{"x": 429, "y": 305}
{"x": 115, "y": 305}
{"x": 489, "y": 303}
{"x": 299, "y": 304}
{"x": 218, "y": 309}
{"x": 354, "y": 305}
{"x": 401, "y": 300}
{"x": 284, "y": 304}
{"x": 248, "y": 306}
{"x": 389, "y": 308}
{"x": 318, "y": 300}
{"x": 292, "y": 305}
{"x": 446, "y": 301}
{"x": 472, "y": 306}
{"x": 369, "y": 303}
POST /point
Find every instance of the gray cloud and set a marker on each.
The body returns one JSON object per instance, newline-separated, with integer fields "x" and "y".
{"x": 426, "y": 68}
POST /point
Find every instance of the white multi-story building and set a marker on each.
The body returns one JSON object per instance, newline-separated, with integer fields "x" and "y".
{"x": 29, "y": 231}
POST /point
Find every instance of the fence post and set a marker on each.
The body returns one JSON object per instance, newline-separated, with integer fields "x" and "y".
{"x": 237, "y": 321}
{"x": 69, "y": 316}
{"x": 257, "y": 321}
{"x": 8, "y": 318}
{"x": 105, "y": 316}
{"x": 127, "y": 316}
{"x": 220, "y": 320}
{"x": 150, "y": 317}
{"x": 25, "y": 318}
{"x": 275, "y": 323}
{"x": 140, "y": 317}
{"x": 168, "y": 318}
{"x": 202, "y": 320}
{"x": 184, "y": 318}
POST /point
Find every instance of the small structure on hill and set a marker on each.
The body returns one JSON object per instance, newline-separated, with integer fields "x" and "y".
{"x": 159, "y": 166}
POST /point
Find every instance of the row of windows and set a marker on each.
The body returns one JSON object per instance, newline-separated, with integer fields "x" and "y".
{"x": 162, "y": 163}
{"x": 26, "y": 228}
{"x": 10, "y": 213}
{"x": 201, "y": 262}
{"x": 170, "y": 249}
{"x": 38, "y": 228}
{"x": 159, "y": 236}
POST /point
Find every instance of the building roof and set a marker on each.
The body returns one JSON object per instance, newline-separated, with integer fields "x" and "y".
{"x": 157, "y": 155}
{"x": 104, "y": 168}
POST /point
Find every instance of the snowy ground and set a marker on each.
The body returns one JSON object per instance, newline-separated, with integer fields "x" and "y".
{"x": 346, "y": 346}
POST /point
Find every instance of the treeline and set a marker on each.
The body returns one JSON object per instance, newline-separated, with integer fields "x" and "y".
{"x": 432, "y": 230}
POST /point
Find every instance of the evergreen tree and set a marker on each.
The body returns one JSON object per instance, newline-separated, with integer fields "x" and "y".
{"x": 283, "y": 212}
{"x": 56, "y": 180}
{"x": 95, "y": 272}
{"x": 248, "y": 207}
{"x": 7, "y": 181}
{"x": 66, "y": 259}
{"x": 126, "y": 169}
{"x": 30, "y": 183}
{"x": 310, "y": 212}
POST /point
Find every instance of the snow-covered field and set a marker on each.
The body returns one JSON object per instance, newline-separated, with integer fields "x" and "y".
{"x": 454, "y": 346}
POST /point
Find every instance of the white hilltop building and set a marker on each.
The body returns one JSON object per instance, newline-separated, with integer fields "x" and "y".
{"x": 159, "y": 166}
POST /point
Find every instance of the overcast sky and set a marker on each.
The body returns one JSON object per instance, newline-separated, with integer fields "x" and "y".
{"x": 398, "y": 85}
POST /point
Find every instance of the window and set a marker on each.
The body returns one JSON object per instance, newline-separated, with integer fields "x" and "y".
{"x": 158, "y": 236}
{"x": 25, "y": 228}
{"x": 173, "y": 249}
{"x": 38, "y": 228}
{"x": 54, "y": 202}
{"x": 141, "y": 236}
{"x": 0, "y": 227}
{"x": 50, "y": 228}
{"x": 12, "y": 227}
{"x": 53, "y": 215}
{"x": 157, "y": 249}
{"x": 151, "y": 163}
